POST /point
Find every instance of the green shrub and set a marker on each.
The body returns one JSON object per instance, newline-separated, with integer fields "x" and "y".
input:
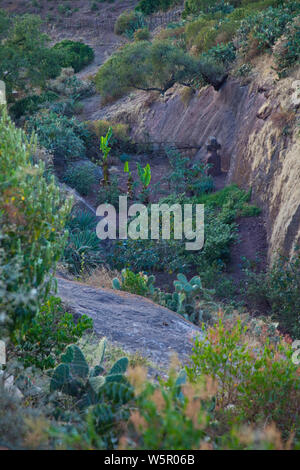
{"x": 51, "y": 331}
{"x": 64, "y": 137}
{"x": 12, "y": 418}
{"x": 222, "y": 208}
{"x": 81, "y": 177}
{"x": 110, "y": 194}
{"x": 280, "y": 287}
{"x": 185, "y": 178}
{"x": 31, "y": 104}
{"x": 211, "y": 32}
{"x": 171, "y": 255}
{"x": 128, "y": 22}
{"x": 142, "y": 34}
{"x": 74, "y": 54}
{"x": 32, "y": 238}
{"x": 168, "y": 415}
{"x": 255, "y": 383}
{"x": 69, "y": 85}
{"x": 231, "y": 198}
{"x": 222, "y": 53}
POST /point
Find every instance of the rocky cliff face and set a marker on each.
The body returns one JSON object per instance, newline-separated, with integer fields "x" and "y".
{"x": 256, "y": 124}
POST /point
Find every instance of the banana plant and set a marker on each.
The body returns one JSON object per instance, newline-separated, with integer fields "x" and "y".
{"x": 145, "y": 178}
{"x": 105, "y": 149}
{"x": 129, "y": 180}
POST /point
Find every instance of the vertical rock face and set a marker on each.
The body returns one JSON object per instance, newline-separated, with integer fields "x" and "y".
{"x": 258, "y": 149}
{"x": 267, "y": 158}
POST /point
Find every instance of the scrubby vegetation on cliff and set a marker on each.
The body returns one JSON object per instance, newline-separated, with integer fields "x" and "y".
{"x": 63, "y": 387}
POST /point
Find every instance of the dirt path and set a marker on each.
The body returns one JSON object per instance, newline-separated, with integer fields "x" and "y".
{"x": 132, "y": 322}
{"x": 251, "y": 245}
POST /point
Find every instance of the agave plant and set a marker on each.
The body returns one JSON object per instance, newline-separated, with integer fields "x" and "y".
{"x": 81, "y": 220}
{"x": 82, "y": 251}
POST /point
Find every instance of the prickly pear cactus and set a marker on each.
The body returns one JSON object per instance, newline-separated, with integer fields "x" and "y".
{"x": 191, "y": 295}
{"x": 140, "y": 283}
{"x": 74, "y": 377}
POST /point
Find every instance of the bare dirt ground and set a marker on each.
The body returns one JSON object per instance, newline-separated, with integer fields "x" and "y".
{"x": 56, "y": 12}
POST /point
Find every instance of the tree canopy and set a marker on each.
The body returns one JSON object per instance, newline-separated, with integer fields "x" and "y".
{"x": 153, "y": 66}
{"x": 25, "y": 58}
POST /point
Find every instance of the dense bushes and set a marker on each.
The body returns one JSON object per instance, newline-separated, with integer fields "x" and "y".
{"x": 255, "y": 383}
{"x": 222, "y": 400}
{"x": 51, "y": 331}
{"x": 64, "y": 137}
{"x": 260, "y": 31}
{"x": 195, "y": 7}
{"x": 222, "y": 208}
{"x": 81, "y": 177}
{"x": 280, "y": 288}
{"x": 74, "y": 54}
{"x": 32, "y": 229}
{"x": 128, "y": 22}
{"x": 31, "y": 104}
{"x": 246, "y": 31}
{"x": 216, "y": 37}
{"x": 5, "y": 22}
{"x": 208, "y": 31}
{"x": 171, "y": 255}
{"x": 26, "y": 59}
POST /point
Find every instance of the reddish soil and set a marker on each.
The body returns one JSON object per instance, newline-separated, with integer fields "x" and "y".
{"x": 252, "y": 245}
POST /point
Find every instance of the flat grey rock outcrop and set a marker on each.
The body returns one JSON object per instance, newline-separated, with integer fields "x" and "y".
{"x": 132, "y": 322}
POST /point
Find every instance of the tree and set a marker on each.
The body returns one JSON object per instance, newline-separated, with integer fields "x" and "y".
{"x": 25, "y": 58}
{"x": 153, "y": 66}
